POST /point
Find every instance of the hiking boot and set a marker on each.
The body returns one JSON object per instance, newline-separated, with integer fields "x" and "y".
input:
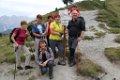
{"x": 51, "y": 77}
{"x": 19, "y": 67}
{"x": 61, "y": 63}
{"x": 72, "y": 64}
{"x": 28, "y": 67}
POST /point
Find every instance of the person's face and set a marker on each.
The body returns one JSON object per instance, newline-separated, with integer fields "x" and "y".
{"x": 50, "y": 19}
{"x": 38, "y": 20}
{"x": 42, "y": 45}
{"x": 24, "y": 26}
{"x": 57, "y": 19}
{"x": 74, "y": 15}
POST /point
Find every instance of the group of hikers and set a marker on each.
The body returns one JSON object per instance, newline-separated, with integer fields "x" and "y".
{"x": 47, "y": 37}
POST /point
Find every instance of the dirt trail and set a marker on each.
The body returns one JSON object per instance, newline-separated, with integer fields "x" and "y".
{"x": 94, "y": 49}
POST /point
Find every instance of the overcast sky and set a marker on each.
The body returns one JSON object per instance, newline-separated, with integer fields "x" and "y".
{"x": 28, "y": 7}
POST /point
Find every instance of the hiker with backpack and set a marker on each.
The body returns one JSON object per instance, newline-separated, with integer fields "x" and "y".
{"x": 76, "y": 29}
{"x": 45, "y": 58}
{"x": 39, "y": 32}
{"x": 56, "y": 39}
{"x": 18, "y": 37}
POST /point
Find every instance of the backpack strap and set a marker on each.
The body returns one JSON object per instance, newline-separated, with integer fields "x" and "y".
{"x": 18, "y": 32}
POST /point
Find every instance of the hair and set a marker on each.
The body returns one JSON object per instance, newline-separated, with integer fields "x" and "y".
{"x": 23, "y": 23}
{"x": 50, "y": 16}
{"x": 39, "y": 16}
{"x": 56, "y": 15}
{"x": 42, "y": 41}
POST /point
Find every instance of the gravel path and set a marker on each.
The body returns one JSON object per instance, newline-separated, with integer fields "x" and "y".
{"x": 94, "y": 49}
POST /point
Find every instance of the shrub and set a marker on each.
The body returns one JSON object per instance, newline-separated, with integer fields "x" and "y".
{"x": 88, "y": 38}
{"x": 115, "y": 30}
{"x": 90, "y": 69}
{"x": 117, "y": 39}
{"x": 100, "y": 34}
{"x": 113, "y": 54}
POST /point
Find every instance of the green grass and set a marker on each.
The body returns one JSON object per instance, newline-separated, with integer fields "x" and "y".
{"x": 100, "y": 34}
{"x": 117, "y": 39}
{"x": 6, "y": 50}
{"x": 111, "y": 14}
{"x": 7, "y": 53}
{"x": 92, "y": 28}
{"x": 102, "y": 26}
{"x": 114, "y": 30}
{"x": 88, "y": 38}
{"x": 90, "y": 69}
{"x": 113, "y": 54}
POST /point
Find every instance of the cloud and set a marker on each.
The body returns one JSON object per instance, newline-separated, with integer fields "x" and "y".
{"x": 28, "y": 7}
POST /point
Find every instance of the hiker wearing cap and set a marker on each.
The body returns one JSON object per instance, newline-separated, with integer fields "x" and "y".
{"x": 45, "y": 58}
{"x": 38, "y": 31}
{"x": 76, "y": 29}
{"x": 50, "y": 20}
{"x": 56, "y": 39}
{"x": 19, "y": 37}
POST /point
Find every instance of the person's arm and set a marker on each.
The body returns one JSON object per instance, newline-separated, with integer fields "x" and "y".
{"x": 46, "y": 29}
{"x": 13, "y": 39}
{"x": 34, "y": 32}
{"x": 52, "y": 30}
{"x": 51, "y": 57}
{"x": 39, "y": 60}
{"x": 51, "y": 54}
{"x": 82, "y": 24}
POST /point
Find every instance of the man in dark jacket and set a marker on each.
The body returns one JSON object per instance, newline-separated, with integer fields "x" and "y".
{"x": 76, "y": 28}
{"x": 45, "y": 58}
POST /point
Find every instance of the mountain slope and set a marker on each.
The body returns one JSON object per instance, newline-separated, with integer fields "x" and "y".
{"x": 9, "y": 22}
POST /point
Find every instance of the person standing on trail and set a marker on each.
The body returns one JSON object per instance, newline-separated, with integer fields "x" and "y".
{"x": 19, "y": 37}
{"x": 38, "y": 31}
{"x": 45, "y": 58}
{"x": 50, "y": 20}
{"x": 76, "y": 29}
{"x": 56, "y": 39}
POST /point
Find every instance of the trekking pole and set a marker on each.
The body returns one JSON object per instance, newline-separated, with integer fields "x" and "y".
{"x": 78, "y": 58}
{"x": 65, "y": 41}
{"x": 15, "y": 64}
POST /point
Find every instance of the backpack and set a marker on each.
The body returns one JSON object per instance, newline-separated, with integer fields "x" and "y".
{"x": 11, "y": 33}
{"x": 82, "y": 20}
{"x": 29, "y": 28}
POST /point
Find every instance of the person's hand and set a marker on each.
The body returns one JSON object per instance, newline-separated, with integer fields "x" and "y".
{"x": 43, "y": 34}
{"x": 79, "y": 39}
{"x": 41, "y": 64}
{"x": 59, "y": 34}
{"x": 16, "y": 44}
{"x": 45, "y": 63}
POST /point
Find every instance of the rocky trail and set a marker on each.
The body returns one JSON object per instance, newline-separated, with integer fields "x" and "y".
{"x": 92, "y": 49}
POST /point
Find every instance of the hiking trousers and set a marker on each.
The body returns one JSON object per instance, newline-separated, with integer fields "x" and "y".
{"x": 19, "y": 50}
{"x": 59, "y": 45}
{"x": 49, "y": 67}
{"x": 72, "y": 47}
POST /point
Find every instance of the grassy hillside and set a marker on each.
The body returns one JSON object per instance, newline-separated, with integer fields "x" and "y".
{"x": 6, "y": 50}
{"x": 91, "y": 5}
{"x": 111, "y": 14}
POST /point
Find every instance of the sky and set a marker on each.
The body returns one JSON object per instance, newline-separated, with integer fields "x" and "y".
{"x": 29, "y": 8}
